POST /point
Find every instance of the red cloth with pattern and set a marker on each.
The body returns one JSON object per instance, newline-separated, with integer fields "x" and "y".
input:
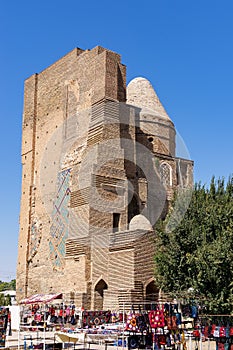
{"x": 156, "y": 318}
{"x": 222, "y": 331}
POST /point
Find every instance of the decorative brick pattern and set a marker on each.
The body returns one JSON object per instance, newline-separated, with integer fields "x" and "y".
{"x": 90, "y": 150}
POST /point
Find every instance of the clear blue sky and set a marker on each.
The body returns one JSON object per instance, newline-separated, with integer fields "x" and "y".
{"x": 185, "y": 48}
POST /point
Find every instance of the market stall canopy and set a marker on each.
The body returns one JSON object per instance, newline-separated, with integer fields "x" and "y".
{"x": 41, "y": 298}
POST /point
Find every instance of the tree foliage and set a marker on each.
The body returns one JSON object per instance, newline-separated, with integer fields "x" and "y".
{"x": 5, "y": 300}
{"x": 197, "y": 255}
{"x": 8, "y": 285}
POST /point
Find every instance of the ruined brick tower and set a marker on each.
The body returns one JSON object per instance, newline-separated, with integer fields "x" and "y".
{"x": 99, "y": 168}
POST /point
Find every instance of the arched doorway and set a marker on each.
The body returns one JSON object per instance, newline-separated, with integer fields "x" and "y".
{"x": 99, "y": 294}
{"x": 151, "y": 294}
{"x": 133, "y": 208}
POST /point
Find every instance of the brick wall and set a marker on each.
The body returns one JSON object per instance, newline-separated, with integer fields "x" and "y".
{"x": 92, "y": 161}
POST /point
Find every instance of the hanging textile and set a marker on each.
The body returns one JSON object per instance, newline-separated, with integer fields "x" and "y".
{"x": 131, "y": 323}
{"x": 156, "y": 318}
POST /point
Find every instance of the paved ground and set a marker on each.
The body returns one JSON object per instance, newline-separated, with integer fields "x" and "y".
{"x": 25, "y": 339}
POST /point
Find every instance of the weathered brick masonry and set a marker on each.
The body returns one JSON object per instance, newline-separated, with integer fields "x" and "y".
{"x": 99, "y": 168}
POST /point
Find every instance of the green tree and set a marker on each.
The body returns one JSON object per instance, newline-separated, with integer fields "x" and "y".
{"x": 197, "y": 254}
{"x": 5, "y": 300}
{"x": 2, "y": 300}
{"x": 8, "y": 285}
{"x": 12, "y": 284}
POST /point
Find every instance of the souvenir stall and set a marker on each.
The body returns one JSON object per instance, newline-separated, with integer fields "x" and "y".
{"x": 5, "y": 325}
{"x": 97, "y": 327}
{"x": 160, "y": 326}
{"x": 171, "y": 326}
{"x": 36, "y": 313}
{"x": 164, "y": 327}
{"x": 217, "y": 328}
{"x": 42, "y": 310}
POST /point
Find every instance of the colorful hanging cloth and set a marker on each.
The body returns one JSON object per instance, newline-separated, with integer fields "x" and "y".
{"x": 131, "y": 323}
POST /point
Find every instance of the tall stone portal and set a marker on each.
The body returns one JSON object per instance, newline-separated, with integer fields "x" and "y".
{"x": 99, "y": 169}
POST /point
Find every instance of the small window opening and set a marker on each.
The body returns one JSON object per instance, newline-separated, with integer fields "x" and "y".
{"x": 116, "y": 221}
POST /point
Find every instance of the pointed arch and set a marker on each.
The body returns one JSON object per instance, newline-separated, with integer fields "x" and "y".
{"x": 133, "y": 208}
{"x": 151, "y": 291}
{"x": 100, "y": 286}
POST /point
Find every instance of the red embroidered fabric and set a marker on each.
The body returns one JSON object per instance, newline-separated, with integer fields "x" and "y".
{"x": 156, "y": 318}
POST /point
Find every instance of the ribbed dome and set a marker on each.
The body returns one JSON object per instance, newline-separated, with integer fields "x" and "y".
{"x": 140, "y": 93}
